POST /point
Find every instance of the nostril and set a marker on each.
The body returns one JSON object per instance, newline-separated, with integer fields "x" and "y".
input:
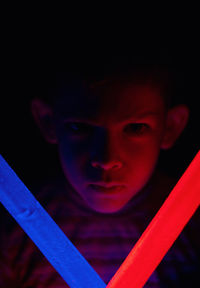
{"x": 107, "y": 166}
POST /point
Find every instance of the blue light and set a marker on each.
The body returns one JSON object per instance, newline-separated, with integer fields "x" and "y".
{"x": 44, "y": 232}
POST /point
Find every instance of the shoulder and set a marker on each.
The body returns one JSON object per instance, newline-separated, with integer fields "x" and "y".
{"x": 181, "y": 264}
{"x": 20, "y": 260}
{"x": 51, "y": 193}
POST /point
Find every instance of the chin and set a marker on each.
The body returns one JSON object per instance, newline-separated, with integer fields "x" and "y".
{"x": 106, "y": 211}
{"x": 106, "y": 208}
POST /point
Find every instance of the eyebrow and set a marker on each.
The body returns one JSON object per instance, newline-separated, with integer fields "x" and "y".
{"x": 143, "y": 115}
{"x": 132, "y": 117}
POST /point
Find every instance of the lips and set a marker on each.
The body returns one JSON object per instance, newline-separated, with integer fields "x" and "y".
{"x": 107, "y": 184}
{"x": 107, "y": 189}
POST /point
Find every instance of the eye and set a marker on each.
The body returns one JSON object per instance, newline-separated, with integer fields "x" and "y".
{"x": 76, "y": 128}
{"x": 137, "y": 128}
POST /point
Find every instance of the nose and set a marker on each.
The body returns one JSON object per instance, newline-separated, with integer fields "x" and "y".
{"x": 109, "y": 165}
{"x": 105, "y": 154}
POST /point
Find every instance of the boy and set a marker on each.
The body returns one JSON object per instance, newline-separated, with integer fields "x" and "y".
{"x": 109, "y": 131}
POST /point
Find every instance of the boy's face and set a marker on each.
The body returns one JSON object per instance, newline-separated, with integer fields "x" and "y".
{"x": 109, "y": 138}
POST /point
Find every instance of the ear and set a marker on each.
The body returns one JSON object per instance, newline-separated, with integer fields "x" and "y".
{"x": 177, "y": 118}
{"x": 43, "y": 116}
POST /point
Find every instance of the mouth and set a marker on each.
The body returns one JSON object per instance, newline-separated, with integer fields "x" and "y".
{"x": 107, "y": 189}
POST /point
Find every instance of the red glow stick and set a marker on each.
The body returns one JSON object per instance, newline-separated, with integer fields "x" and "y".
{"x": 163, "y": 230}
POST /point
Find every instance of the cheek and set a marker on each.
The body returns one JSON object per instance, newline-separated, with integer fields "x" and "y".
{"x": 73, "y": 156}
{"x": 145, "y": 150}
{"x": 141, "y": 158}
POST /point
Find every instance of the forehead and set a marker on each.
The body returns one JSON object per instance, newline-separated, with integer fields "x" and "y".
{"x": 109, "y": 101}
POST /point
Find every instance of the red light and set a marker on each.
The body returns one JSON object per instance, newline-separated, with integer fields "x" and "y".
{"x": 163, "y": 230}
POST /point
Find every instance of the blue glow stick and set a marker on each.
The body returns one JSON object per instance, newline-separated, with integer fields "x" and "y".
{"x": 44, "y": 232}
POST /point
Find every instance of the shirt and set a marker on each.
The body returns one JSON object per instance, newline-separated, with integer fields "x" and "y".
{"x": 104, "y": 240}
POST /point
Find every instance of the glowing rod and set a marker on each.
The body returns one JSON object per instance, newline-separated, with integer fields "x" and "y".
{"x": 163, "y": 230}
{"x": 44, "y": 232}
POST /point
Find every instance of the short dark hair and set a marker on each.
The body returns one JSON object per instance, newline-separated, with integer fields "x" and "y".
{"x": 158, "y": 71}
